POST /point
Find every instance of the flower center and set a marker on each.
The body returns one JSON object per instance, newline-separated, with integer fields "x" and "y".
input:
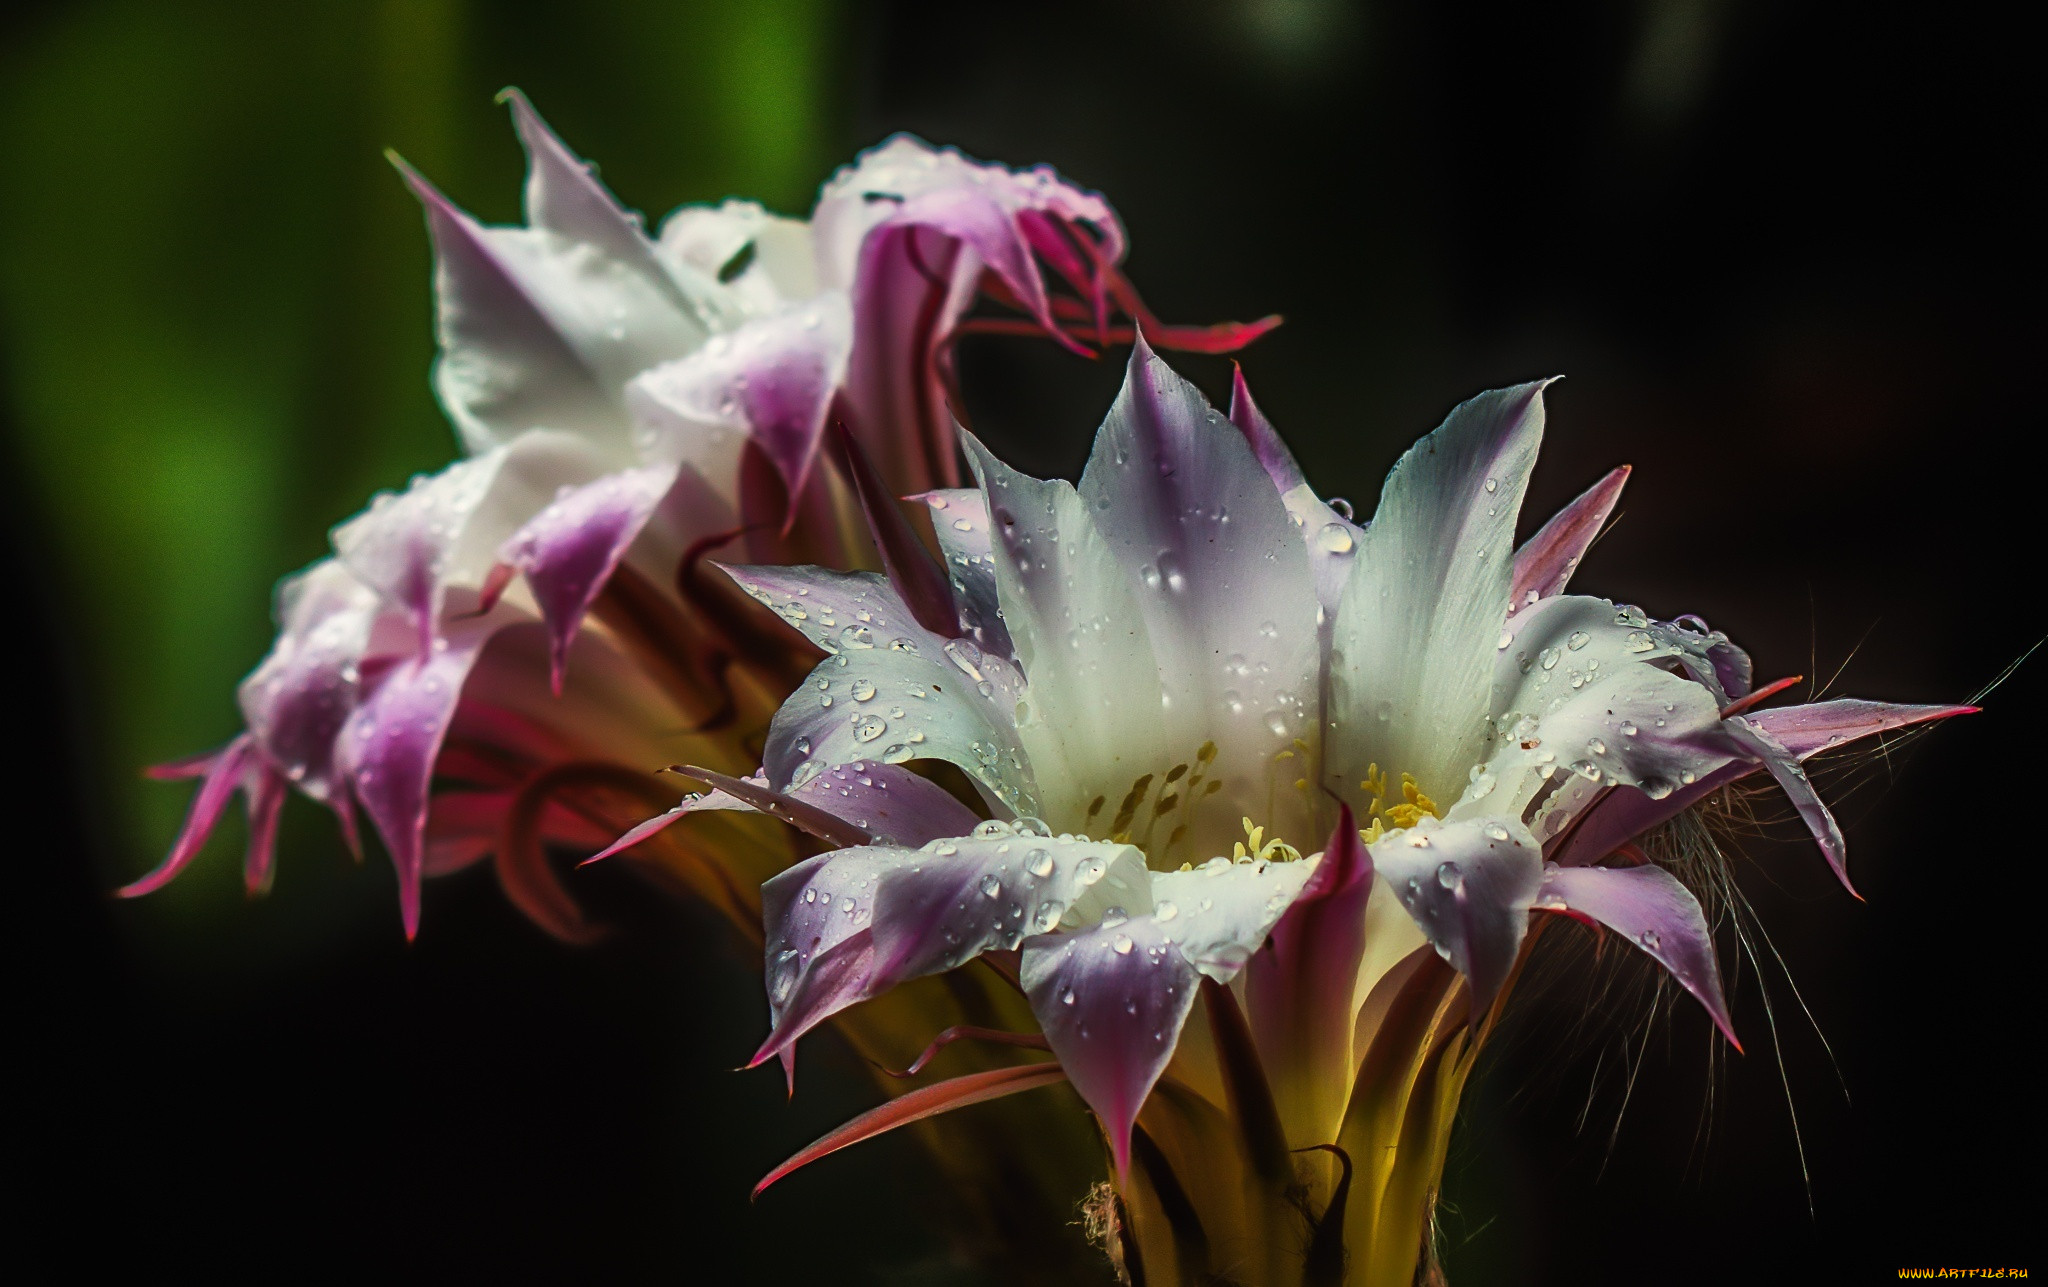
{"x": 1383, "y": 817}
{"x": 1156, "y": 821}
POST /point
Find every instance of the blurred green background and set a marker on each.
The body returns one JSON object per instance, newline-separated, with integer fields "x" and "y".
{"x": 1786, "y": 252}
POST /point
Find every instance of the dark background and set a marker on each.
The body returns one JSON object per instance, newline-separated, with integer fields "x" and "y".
{"x": 1784, "y": 252}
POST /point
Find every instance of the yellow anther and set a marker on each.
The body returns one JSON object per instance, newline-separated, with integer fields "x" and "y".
{"x": 1412, "y": 792}
{"x": 1373, "y": 832}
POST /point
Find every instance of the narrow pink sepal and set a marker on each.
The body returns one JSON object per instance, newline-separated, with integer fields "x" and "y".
{"x": 1299, "y": 984}
{"x": 224, "y": 776}
{"x": 1546, "y": 561}
{"x": 916, "y": 1105}
{"x": 265, "y": 794}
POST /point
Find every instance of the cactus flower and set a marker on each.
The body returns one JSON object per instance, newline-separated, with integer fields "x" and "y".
{"x": 491, "y": 658}
{"x": 1268, "y": 806}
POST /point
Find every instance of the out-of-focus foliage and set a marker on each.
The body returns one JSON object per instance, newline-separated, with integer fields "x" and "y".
{"x": 216, "y": 303}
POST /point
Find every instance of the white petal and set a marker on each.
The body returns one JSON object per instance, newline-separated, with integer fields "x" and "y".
{"x": 1416, "y": 633}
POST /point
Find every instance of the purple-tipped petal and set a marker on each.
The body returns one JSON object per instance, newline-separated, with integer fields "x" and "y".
{"x": 1263, "y": 439}
{"x": 1804, "y": 731}
{"x": 402, "y": 545}
{"x": 922, "y": 911}
{"x": 1329, "y": 537}
{"x": 894, "y": 805}
{"x": 568, "y": 550}
{"x": 1216, "y": 567}
{"x": 389, "y": 746}
{"x": 505, "y": 367}
{"x": 1420, "y": 621}
{"x": 297, "y": 699}
{"x": 1070, "y": 607}
{"x": 1111, "y": 1000}
{"x": 1585, "y": 710}
{"x": 886, "y": 803}
{"x": 1547, "y": 560}
{"x": 1469, "y": 885}
{"x": 564, "y": 197}
{"x": 1647, "y": 906}
{"x": 1779, "y": 761}
{"x": 773, "y": 379}
{"x": 1299, "y": 988}
{"x": 893, "y": 692}
{"x": 1809, "y": 730}
{"x": 224, "y": 776}
{"x": 789, "y": 808}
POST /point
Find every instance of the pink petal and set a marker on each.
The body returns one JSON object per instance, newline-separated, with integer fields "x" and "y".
{"x": 1546, "y": 561}
{"x": 922, "y": 911}
{"x": 1299, "y": 986}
